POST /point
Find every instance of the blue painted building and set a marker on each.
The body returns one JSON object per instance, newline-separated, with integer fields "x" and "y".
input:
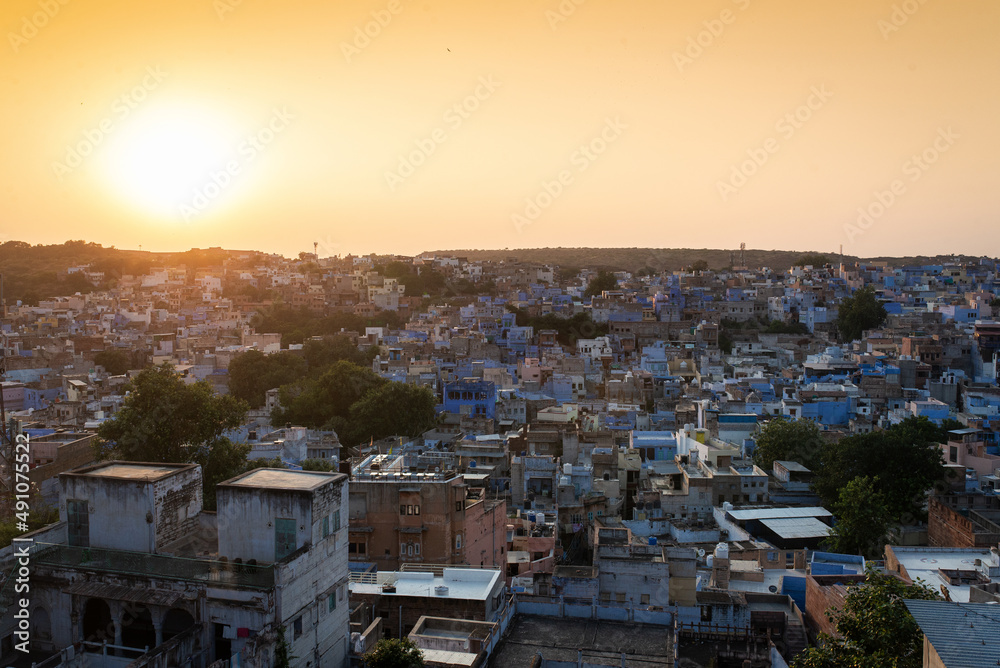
{"x": 471, "y": 396}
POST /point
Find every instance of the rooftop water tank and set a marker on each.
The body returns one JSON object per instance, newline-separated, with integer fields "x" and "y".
{"x": 722, "y": 551}
{"x": 567, "y": 469}
{"x": 652, "y": 540}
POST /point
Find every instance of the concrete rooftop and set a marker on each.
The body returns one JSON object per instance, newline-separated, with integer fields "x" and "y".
{"x": 133, "y": 471}
{"x": 283, "y": 479}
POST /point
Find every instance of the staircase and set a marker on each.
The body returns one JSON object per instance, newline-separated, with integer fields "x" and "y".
{"x": 795, "y": 639}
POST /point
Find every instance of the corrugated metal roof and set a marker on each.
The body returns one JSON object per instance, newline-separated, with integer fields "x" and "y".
{"x": 778, "y": 513}
{"x": 965, "y": 635}
{"x": 797, "y": 527}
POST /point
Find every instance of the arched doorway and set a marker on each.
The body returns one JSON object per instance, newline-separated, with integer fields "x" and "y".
{"x": 176, "y": 621}
{"x": 41, "y": 626}
{"x": 97, "y": 624}
{"x": 137, "y": 627}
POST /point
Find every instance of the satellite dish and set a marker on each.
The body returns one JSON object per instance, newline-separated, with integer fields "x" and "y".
{"x": 701, "y": 552}
{"x": 773, "y": 589}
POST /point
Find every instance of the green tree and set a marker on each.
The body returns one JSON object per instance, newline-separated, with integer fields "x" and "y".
{"x": 164, "y": 419}
{"x": 605, "y": 280}
{"x": 314, "y": 402}
{"x": 863, "y": 520}
{"x": 699, "y": 266}
{"x": 116, "y": 362}
{"x": 323, "y": 353}
{"x": 394, "y": 409}
{"x": 874, "y": 629}
{"x": 859, "y": 312}
{"x": 394, "y": 653}
{"x": 788, "y": 440}
{"x": 725, "y": 342}
{"x": 903, "y": 463}
{"x": 811, "y": 259}
{"x": 318, "y": 465}
{"x": 252, "y": 374}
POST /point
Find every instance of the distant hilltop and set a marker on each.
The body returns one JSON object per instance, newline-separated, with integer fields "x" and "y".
{"x": 674, "y": 259}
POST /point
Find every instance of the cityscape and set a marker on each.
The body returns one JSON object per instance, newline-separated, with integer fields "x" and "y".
{"x": 541, "y": 334}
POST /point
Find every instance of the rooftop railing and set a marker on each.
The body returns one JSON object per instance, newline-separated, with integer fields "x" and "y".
{"x": 160, "y": 566}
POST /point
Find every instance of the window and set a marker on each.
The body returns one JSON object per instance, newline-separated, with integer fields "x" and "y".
{"x": 297, "y": 628}
{"x": 644, "y": 599}
{"x": 284, "y": 538}
{"x": 78, "y": 523}
{"x": 416, "y": 549}
{"x": 409, "y": 549}
{"x": 402, "y": 510}
{"x": 331, "y": 602}
{"x": 326, "y": 527}
{"x": 458, "y": 506}
{"x": 402, "y": 549}
{"x": 357, "y": 548}
{"x": 416, "y": 510}
{"x": 336, "y": 520}
{"x": 620, "y": 597}
{"x": 458, "y": 541}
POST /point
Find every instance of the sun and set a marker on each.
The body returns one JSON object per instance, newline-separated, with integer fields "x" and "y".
{"x": 162, "y": 157}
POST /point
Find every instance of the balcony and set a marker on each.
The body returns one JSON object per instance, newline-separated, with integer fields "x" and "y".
{"x": 153, "y": 566}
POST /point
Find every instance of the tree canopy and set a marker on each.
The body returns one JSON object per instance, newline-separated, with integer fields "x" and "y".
{"x": 863, "y": 520}
{"x": 252, "y": 374}
{"x": 164, "y": 419}
{"x": 795, "y": 440}
{"x": 313, "y": 402}
{"x": 874, "y": 628}
{"x": 859, "y": 312}
{"x": 903, "y": 463}
{"x": 394, "y": 653}
{"x": 605, "y": 280}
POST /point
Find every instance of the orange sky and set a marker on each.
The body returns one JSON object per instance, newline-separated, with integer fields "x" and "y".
{"x": 521, "y": 123}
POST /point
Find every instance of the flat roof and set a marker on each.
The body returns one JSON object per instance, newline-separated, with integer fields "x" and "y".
{"x": 132, "y": 471}
{"x": 778, "y": 513}
{"x": 792, "y": 466}
{"x": 797, "y": 527}
{"x": 283, "y": 479}
{"x": 473, "y": 584}
{"x": 924, "y": 563}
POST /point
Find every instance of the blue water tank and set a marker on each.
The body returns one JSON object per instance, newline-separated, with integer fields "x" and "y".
{"x": 472, "y": 464}
{"x": 531, "y": 517}
{"x": 652, "y": 540}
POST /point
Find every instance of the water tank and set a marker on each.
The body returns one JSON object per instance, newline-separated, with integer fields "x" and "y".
{"x": 567, "y": 469}
{"x": 531, "y": 517}
{"x": 709, "y": 559}
{"x": 564, "y": 481}
{"x": 652, "y": 540}
{"x": 540, "y": 518}
{"x": 441, "y": 590}
{"x": 727, "y": 506}
{"x": 472, "y": 464}
{"x": 722, "y": 551}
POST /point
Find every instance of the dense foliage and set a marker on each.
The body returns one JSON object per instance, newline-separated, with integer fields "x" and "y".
{"x": 874, "y": 629}
{"x": 394, "y": 653}
{"x": 605, "y": 280}
{"x": 164, "y": 419}
{"x": 794, "y": 440}
{"x": 859, "y": 312}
